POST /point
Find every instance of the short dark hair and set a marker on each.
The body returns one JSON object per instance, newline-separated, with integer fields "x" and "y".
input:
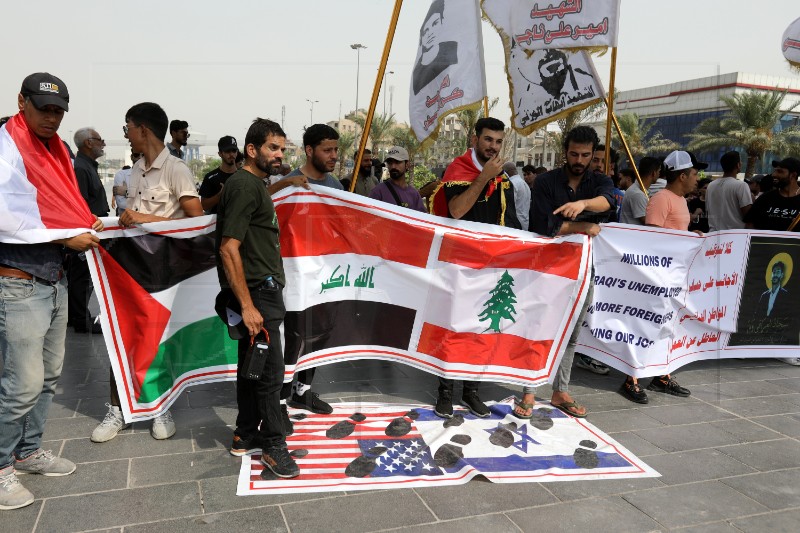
{"x": 437, "y": 7}
{"x": 779, "y": 264}
{"x": 366, "y": 151}
{"x": 178, "y": 125}
{"x": 613, "y": 155}
{"x": 729, "y": 161}
{"x": 488, "y": 123}
{"x": 672, "y": 175}
{"x": 582, "y": 135}
{"x": 151, "y": 116}
{"x": 260, "y": 129}
{"x": 529, "y": 169}
{"x": 317, "y": 133}
{"x": 703, "y": 182}
{"x": 647, "y": 165}
{"x": 628, "y": 172}
{"x": 540, "y": 170}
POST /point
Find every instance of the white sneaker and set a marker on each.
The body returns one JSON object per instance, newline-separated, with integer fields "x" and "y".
{"x": 112, "y": 424}
{"x": 12, "y": 494}
{"x": 163, "y": 426}
{"x": 794, "y": 361}
{"x": 45, "y": 463}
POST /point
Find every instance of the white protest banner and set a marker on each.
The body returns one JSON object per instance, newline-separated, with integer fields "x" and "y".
{"x": 538, "y": 25}
{"x": 790, "y": 43}
{"x": 448, "y": 73}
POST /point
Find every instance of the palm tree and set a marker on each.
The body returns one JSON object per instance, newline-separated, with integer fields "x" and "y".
{"x": 379, "y": 130}
{"x": 346, "y": 141}
{"x": 637, "y": 134}
{"x": 749, "y": 124}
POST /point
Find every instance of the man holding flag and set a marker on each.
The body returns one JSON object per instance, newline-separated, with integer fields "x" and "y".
{"x": 41, "y": 213}
{"x": 475, "y": 188}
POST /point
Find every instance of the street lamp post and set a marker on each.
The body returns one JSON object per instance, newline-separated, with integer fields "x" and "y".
{"x": 385, "y": 88}
{"x": 312, "y": 102}
{"x": 357, "y": 47}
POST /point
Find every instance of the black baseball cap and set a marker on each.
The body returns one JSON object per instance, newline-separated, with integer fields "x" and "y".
{"x": 227, "y": 143}
{"x": 792, "y": 164}
{"x": 45, "y": 89}
{"x": 230, "y": 312}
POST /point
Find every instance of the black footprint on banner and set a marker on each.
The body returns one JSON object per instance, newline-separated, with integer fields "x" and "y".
{"x": 449, "y": 454}
{"x": 299, "y": 416}
{"x": 299, "y": 453}
{"x": 540, "y": 419}
{"x": 456, "y": 421}
{"x": 364, "y": 465}
{"x": 586, "y": 458}
{"x": 503, "y": 436}
{"x": 344, "y": 428}
{"x": 401, "y": 426}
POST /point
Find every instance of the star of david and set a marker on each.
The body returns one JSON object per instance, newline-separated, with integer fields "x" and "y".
{"x": 522, "y": 444}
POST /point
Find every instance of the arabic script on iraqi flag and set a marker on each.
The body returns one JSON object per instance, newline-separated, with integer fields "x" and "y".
{"x": 448, "y": 73}
{"x": 544, "y": 24}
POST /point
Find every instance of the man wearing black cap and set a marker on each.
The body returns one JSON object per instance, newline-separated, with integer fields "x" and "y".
{"x": 179, "y": 131}
{"x": 211, "y": 189}
{"x": 33, "y": 290}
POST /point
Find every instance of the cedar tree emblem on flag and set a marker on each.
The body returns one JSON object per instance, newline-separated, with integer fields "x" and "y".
{"x": 500, "y": 305}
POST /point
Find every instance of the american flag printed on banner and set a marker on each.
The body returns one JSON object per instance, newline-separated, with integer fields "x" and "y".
{"x": 377, "y": 446}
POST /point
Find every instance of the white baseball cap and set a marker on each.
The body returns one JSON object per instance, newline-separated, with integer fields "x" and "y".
{"x": 680, "y": 160}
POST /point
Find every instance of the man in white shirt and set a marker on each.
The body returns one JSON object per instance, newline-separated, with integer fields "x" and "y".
{"x": 120, "y": 188}
{"x": 728, "y": 199}
{"x": 522, "y": 193}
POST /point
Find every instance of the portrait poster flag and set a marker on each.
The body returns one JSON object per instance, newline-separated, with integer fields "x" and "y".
{"x": 448, "y": 73}
{"x": 790, "y": 43}
{"x": 539, "y": 25}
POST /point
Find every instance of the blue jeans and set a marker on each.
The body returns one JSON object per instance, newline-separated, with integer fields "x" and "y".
{"x": 33, "y": 328}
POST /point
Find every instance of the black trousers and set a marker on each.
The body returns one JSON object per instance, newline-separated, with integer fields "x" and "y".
{"x": 259, "y": 400}
{"x": 79, "y": 291}
{"x": 446, "y": 385}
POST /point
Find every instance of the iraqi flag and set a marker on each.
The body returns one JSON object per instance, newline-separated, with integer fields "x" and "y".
{"x": 156, "y": 284}
{"x": 40, "y": 200}
{"x": 463, "y": 300}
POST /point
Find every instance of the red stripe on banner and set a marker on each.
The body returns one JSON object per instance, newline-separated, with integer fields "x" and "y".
{"x": 496, "y": 349}
{"x": 313, "y": 229}
{"x": 559, "y": 259}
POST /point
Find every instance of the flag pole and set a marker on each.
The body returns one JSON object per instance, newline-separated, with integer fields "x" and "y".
{"x": 387, "y": 47}
{"x": 610, "y": 106}
{"x": 627, "y": 151}
{"x": 485, "y": 106}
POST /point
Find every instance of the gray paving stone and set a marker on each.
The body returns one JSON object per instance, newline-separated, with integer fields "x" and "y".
{"x": 182, "y": 467}
{"x": 636, "y": 444}
{"x": 612, "y": 421}
{"x": 745, "y": 430}
{"x": 60, "y": 408}
{"x": 74, "y": 376}
{"x": 84, "y": 390}
{"x": 20, "y": 520}
{"x": 128, "y": 445}
{"x": 687, "y": 413}
{"x": 773, "y": 405}
{"x": 792, "y": 384}
{"x": 345, "y": 388}
{"x": 732, "y": 375}
{"x": 359, "y": 512}
{"x": 699, "y": 465}
{"x": 496, "y": 523}
{"x": 117, "y": 508}
{"x": 766, "y": 456}
{"x": 567, "y": 491}
{"x": 788, "y": 425}
{"x": 69, "y": 428}
{"x": 716, "y": 392}
{"x": 686, "y": 505}
{"x": 420, "y": 397}
{"x": 606, "y": 514}
{"x": 89, "y": 477}
{"x": 263, "y": 520}
{"x": 688, "y": 437}
{"x": 785, "y": 522}
{"x": 776, "y": 490}
{"x": 481, "y": 497}
{"x": 204, "y": 417}
{"x": 211, "y": 398}
{"x": 219, "y": 494}
{"x": 715, "y": 527}
{"x": 213, "y": 438}
{"x": 396, "y": 386}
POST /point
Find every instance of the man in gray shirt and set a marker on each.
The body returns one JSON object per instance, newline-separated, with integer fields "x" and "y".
{"x": 634, "y": 203}
{"x": 728, "y": 199}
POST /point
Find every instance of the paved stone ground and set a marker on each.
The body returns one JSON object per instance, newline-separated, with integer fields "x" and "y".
{"x": 729, "y": 458}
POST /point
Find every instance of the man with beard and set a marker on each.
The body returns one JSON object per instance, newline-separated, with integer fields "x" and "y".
{"x": 214, "y": 181}
{"x": 396, "y": 190}
{"x": 249, "y": 266}
{"x": 570, "y": 199}
{"x": 366, "y": 181}
{"x": 435, "y": 55}
{"x": 321, "y": 144}
{"x": 179, "y": 131}
{"x": 475, "y": 188}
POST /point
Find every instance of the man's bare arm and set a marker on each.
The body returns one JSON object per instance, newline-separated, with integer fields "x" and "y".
{"x": 234, "y": 271}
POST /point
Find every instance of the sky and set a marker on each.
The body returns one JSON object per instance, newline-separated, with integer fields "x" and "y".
{"x": 220, "y": 65}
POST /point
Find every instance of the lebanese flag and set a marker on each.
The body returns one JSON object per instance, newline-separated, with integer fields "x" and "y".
{"x": 463, "y": 300}
{"x": 156, "y": 284}
{"x": 40, "y": 201}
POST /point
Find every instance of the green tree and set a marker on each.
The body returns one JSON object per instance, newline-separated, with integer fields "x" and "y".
{"x": 421, "y": 175}
{"x": 379, "y": 130}
{"x": 749, "y": 125}
{"x": 640, "y": 141}
{"x": 500, "y": 304}
{"x": 347, "y": 140}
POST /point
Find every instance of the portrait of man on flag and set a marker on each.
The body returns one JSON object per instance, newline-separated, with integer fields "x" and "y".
{"x": 435, "y": 54}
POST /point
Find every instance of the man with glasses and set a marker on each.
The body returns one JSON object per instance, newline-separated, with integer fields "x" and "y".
{"x": 214, "y": 181}
{"x": 179, "y": 130}
{"x": 90, "y": 148}
{"x": 161, "y": 188}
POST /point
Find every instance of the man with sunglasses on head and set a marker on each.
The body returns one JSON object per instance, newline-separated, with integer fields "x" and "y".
{"x": 161, "y": 187}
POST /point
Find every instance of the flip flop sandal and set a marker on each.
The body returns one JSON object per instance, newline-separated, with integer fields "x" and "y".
{"x": 522, "y": 405}
{"x": 567, "y": 407}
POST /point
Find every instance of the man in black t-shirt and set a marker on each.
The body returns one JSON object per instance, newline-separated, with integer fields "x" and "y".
{"x": 775, "y": 210}
{"x": 211, "y": 188}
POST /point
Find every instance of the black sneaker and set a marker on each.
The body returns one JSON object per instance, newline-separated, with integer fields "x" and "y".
{"x": 475, "y": 405}
{"x": 669, "y": 386}
{"x": 310, "y": 402}
{"x": 278, "y": 460}
{"x": 444, "y": 405}
{"x": 288, "y": 427}
{"x": 242, "y": 446}
{"x": 633, "y": 392}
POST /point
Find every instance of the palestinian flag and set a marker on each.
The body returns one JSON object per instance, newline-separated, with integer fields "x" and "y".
{"x": 156, "y": 285}
{"x": 40, "y": 200}
{"x": 366, "y": 279}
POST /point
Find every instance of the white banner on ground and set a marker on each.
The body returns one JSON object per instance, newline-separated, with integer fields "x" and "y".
{"x": 538, "y": 25}
{"x": 448, "y": 73}
{"x": 685, "y": 298}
